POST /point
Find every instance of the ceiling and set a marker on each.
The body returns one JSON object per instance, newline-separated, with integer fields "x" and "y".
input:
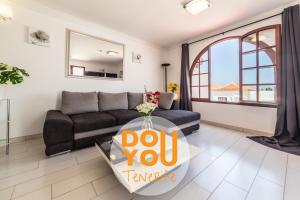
{"x": 162, "y": 22}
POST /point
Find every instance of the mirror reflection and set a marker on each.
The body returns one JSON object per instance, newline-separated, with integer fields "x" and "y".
{"x": 92, "y": 57}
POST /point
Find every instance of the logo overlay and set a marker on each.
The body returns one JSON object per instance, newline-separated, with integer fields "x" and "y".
{"x": 150, "y": 156}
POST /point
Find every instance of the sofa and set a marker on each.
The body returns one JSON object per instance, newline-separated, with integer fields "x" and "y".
{"x": 83, "y": 117}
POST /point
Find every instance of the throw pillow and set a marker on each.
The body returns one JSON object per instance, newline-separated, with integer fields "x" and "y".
{"x": 112, "y": 101}
{"x": 79, "y": 102}
{"x": 166, "y": 100}
{"x": 135, "y": 99}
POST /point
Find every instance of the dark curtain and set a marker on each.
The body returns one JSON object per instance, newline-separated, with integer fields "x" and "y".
{"x": 185, "y": 94}
{"x": 287, "y": 133}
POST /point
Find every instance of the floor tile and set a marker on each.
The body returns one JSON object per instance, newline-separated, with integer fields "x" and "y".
{"x": 245, "y": 171}
{"x": 274, "y": 166}
{"x": 64, "y": 174}
{"x": 212, "y": 176}
{"x": 106, "y": 183}
{"x": 263, "y": 189}
{"x": 292, "y": 190}
{"x": 294, "y": 161}
{"x": 85, "y": 192}
{"x": 6, "y": 194}
{"x": 117, "y": 193}
{"x": 44, "y": 194}
{"x": 191, "y": 192}
{"x": 39, "y": 172}
{"x": 87, "y": 154}
{"x": 227, "y": 191}
{"x": 79, "y": 180}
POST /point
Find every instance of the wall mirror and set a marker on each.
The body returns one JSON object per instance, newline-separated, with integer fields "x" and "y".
{"x": 92, "y": 57}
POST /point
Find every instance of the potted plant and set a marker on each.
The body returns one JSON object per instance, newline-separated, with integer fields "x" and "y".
{"x": 10, "y": 74}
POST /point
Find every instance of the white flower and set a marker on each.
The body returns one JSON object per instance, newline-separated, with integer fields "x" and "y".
{"x": 146, "y": 108}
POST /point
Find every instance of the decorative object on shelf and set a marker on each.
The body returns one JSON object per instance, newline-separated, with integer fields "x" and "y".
{"x": 173, "y": 87}
{"x": 5, "y": 13}
{"x": 136, "y": 58}
{"x": 165, "y": 66}
{"x": 38, "y": 37}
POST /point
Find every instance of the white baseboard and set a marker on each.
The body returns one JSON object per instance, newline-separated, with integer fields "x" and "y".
{"x": 236, "y": 128}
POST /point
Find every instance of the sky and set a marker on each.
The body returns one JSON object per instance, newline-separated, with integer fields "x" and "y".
{"x": 225, "y": 64}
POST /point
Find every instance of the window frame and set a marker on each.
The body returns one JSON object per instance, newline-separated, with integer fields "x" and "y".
{"x": 276, "y": 65}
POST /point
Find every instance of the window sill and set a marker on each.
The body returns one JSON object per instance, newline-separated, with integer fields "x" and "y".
{"x": 268, "y": 105}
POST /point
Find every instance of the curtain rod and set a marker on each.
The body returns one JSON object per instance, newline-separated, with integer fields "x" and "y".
{"x": 222, "y": 33}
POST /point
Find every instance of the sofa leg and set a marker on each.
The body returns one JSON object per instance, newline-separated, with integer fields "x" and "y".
{"x": 60, "y": 153}
{"x": 59, "y": 148}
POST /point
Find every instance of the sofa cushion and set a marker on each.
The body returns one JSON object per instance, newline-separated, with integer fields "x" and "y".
{"x": 124, "y": 116}
{"x": 92, "y": 121}
{"x": 165, "y": 100}
{"x": 135, "y": 99}
{"x": 79, "y": 102}
{"x": 112, "y": 101}
{"x": 178, "y": 117}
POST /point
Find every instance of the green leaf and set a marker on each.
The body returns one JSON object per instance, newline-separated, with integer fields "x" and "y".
{"x": 12, "y": 74}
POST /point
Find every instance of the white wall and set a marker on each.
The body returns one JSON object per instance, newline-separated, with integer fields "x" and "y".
{"x": 46, "y": 66}
{"x": 255, "y": 118}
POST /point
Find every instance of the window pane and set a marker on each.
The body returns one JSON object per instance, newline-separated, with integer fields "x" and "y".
{"x": 225, "y": 71}
{"x": 204, "y": 92}
{"x": 267, "y": 57}
{"x": 249, "y": 43}
{"x": 267, "y": 38}
{"x": 195, "y": 92}
{"x": 78, "y": 71}
{"x": 249, "y": 93}
{"x": 249, "y": 60}
{"x": 204, "y": 67}
{"x": 195, "y": 80}
{"x": 204, "y": 56}
{"x": 267, "y": 93}
{"x": 196, "y": 69}
{"x": 267, "y": 75}
{"x": 204, "y": 79}
{"x": 249, "y": 76}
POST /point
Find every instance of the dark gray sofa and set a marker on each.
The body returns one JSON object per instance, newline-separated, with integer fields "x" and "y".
{"x": 66, "y": 132}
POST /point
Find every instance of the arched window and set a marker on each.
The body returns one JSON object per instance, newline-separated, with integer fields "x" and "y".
{"x": 239, "y": 70}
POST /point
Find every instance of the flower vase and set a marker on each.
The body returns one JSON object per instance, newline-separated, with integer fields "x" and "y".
{"x": 147, "y": 123}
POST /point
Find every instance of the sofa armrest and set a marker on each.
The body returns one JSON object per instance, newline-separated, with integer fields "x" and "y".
{"x": 58, "y": 132}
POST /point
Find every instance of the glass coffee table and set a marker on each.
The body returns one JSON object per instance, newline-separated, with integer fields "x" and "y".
{"x": 110, "y": 148}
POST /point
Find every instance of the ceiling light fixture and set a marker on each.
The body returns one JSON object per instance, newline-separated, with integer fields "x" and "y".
{"x": 112, "y": 53}
{"x": 196, "y": 6}
{"x": 5, "y": 13}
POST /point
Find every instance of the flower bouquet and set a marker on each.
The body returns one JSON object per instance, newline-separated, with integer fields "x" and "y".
{"x": 173, "y": 87}
{"x": 145, "y": 110}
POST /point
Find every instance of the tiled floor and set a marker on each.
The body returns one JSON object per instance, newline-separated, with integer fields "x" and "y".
{"x": 229, "y": 167}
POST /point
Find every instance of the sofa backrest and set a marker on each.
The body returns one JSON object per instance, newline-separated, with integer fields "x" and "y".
{"x": 84, "y": 102}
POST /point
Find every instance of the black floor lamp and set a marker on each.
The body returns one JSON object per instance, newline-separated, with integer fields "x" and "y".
{"x": 165, "y": 66}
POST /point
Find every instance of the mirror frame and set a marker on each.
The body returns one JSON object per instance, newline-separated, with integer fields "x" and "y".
{"x": 68, "y": 37}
